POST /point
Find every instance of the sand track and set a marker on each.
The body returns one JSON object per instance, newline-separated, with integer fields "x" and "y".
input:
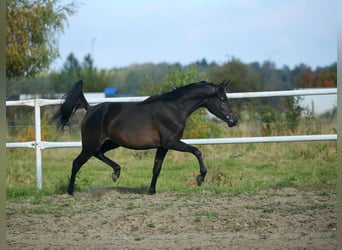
{"x": 288, "y": 218}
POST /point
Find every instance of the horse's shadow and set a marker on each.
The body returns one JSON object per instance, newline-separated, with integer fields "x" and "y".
{"x": 99, "y": 191}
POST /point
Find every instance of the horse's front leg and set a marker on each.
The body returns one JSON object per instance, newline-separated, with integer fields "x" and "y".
{"x": 158, "y": 161}
{"x": 183, "y": 147}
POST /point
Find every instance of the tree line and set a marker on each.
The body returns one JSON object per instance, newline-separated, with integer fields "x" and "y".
{"x": 145, "y": 78}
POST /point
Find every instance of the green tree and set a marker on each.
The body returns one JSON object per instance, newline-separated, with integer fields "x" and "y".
{"x": 72, "y": 67}
{"x": 72, "y": 71}
{"x": 241, "y": 76}
{"x": 33, "y": 27}
{"x": 175, "y": 77}
{"x": 96, "y": 80}
{"x": 88, "y": 64}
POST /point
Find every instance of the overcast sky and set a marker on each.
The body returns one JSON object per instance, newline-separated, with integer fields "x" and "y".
{"x": 123, "y": 32}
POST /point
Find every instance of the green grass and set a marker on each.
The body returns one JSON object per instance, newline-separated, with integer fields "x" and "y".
{"x": 212, "y": 215}
{"x": 231, "y": 168}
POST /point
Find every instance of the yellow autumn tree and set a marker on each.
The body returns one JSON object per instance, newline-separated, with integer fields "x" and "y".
{"x": 33, "y": 27}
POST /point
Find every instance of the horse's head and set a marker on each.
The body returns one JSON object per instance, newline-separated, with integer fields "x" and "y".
{"x": 218, "y": 105}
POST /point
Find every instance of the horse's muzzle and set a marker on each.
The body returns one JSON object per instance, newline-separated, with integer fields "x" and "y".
{"x": 232, "y": 120}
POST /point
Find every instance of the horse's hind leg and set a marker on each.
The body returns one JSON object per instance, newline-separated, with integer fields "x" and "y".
{"x": 116, "y": 167}
{"x": 82, "y": 158}
{"x": 108, "y": 145}
{"x": 158, "y": 161}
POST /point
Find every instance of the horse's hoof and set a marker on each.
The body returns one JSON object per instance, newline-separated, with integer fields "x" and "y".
{"x": 199, "y": 180}
{"x": 115, "y": 176}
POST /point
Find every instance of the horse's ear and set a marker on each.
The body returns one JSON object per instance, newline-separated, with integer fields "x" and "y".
{"x": 224, "y": 84}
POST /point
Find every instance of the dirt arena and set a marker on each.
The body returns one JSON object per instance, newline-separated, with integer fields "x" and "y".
{"x": 112, "y": 218}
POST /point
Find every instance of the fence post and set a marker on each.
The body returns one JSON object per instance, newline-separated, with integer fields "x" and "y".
{"x": 37, "y": 124}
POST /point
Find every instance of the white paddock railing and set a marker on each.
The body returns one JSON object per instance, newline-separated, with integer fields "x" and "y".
{"x": 40, "y": 145}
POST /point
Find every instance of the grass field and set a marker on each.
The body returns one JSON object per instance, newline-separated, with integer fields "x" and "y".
{"x": 231, "y": 168}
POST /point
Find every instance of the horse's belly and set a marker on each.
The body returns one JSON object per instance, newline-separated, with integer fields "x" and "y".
{"x": 136, "y": 138}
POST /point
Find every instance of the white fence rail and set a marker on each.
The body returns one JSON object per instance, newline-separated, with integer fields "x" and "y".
{"x": 40, "y": 145}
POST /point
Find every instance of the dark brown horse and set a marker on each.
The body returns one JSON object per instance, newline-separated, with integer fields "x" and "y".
{"x": 157, "y": 122}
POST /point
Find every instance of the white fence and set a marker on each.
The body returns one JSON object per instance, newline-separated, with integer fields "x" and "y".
{"x": 40, "y": 145}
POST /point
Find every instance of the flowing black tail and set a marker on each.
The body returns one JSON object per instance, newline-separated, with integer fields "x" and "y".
{"x": 74, "y": 100}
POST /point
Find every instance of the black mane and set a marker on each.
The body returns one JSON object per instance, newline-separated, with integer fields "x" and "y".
{"x": 178, "y": 92}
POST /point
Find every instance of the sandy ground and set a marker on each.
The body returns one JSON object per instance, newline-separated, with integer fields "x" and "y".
{"x": 111, "y": 218}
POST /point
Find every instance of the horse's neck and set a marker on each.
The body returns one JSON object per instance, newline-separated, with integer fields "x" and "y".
{"x": 190, "y": 105}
